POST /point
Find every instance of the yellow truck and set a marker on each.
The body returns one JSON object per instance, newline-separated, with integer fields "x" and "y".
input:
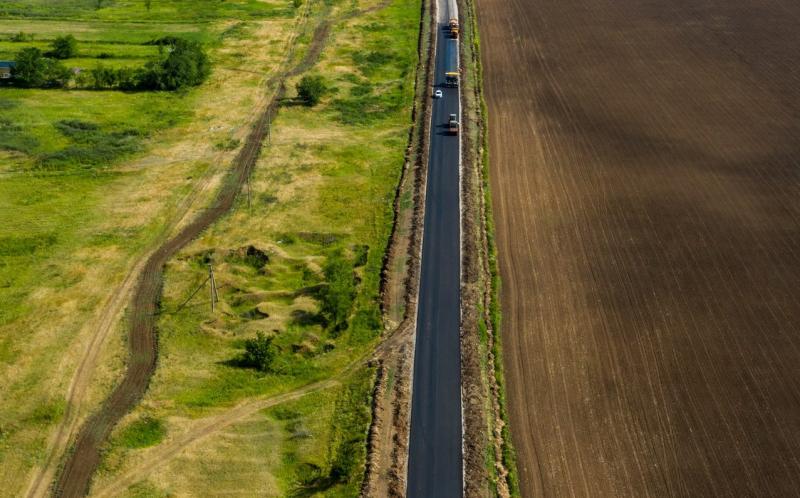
{"x": 454, "y": 27}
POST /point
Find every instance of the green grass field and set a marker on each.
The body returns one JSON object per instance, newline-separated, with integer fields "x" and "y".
{"x": 91, "y": 180}
{"x": 187, "y": 11}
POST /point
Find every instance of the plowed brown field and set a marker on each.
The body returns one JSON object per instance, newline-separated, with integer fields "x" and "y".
{"x": 646, "y": 183}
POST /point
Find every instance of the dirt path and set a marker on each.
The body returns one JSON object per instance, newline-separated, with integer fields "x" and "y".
{"x": 646, "y": 191}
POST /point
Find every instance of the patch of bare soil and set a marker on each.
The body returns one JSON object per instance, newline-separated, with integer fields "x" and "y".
{"x": 645, "y": 183}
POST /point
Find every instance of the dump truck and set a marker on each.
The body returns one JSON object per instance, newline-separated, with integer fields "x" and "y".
{"x": 452, "y": 124}
{"x": 454, "y": 27}
{"x": 451, "y": 68}
{"x": 451, "y": 79}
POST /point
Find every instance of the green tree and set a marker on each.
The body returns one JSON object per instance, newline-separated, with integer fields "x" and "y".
{"x": 64, "y": 47}
{"x": 30, "y": 68}
{"x": 56, "y": 75}
{"x": 34, "y": 70}
{"x": 104, "y": 77}
{"x": 310, "y": 89}
{"x": 339, "y": 292}
{"x": 259, "y": 352}
{"x": 186, "y": 64}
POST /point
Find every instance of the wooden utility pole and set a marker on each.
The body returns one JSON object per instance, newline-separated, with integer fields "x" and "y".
{"x": 248, "y": 194}
{"x": 213, "y": 286}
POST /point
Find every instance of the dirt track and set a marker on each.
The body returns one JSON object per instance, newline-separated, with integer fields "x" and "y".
{"x": 646, "y": 190}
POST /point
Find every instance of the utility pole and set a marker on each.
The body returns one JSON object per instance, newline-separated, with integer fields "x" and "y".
{"x": 213, "y": 286}
{"x": 248, "y": 194}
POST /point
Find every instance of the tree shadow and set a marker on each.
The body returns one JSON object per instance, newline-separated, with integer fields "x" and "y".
{"x": 306, "y": 318}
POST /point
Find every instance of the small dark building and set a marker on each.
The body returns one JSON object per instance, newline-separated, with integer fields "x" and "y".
{"x": 5, "y": 69}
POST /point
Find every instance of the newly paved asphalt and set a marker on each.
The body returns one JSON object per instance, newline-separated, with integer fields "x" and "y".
{"x": 435, "y": 460}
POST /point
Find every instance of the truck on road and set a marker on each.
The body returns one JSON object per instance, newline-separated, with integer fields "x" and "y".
{"x": 452, "y": 124}
{"x": 454, "y": 27}
{"x": 451, "y": 67}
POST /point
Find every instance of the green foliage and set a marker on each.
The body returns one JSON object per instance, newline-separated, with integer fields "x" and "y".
{"x": 21, "y": 37}
{"x": 182, "y": 63}
{"x": 142, "y": 433}
{"x": 181, "y": 11}
{"x": 46, "y": 413}
{"x": 365, "y": 107}
{"x": 123, "y": 78}
{"x": 64, "y": 47}
{"x": 350, "y": 429}
{"x": 33, "y": 69}
{"x": 361, "y": 254}
{"x": 90, "y": 145}
{"x": 25, "y": 245}
{"x": 259, "y": 353}
{"x": 310, "y": 90}
{"x": 186, "y": 64}
{"x": 339, "y": 292}
{"x": 371, "y": 62}
{"x": 12, "y": 137}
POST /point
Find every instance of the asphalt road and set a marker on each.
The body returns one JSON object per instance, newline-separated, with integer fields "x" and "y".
{"x": 435, "y": 459}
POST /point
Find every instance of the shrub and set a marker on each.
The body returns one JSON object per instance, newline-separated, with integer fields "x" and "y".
{"x": 90, "y": 146}
{"x": 21, "y": 37}
{"x": 339, "y": 292}
{"x": 259, "y": 353}
{"x": 186, "y": 64}
{"x": 64, "y": 47}
{"x": 310, "y": 90}
{"x": 35, "y": 70}
{"x": 142, "y": 433}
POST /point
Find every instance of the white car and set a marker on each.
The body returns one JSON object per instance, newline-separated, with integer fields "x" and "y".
{"x": 438, "y": 94}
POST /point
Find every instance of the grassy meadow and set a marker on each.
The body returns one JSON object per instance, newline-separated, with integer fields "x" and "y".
{"x": 321, "y": 194}
{"x": 91, "y": 181}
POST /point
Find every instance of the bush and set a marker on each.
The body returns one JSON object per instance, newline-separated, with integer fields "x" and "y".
{"x": 33, "y": 69}
{"x": 339, "y": 292}
{"x": 310, "y": 90}
{"x": 89, "y": 146}
{"x": 64, "y": 47}
{"x": 21, "y": 37}
{"x": 259, "y": 353}
{"x": 186, "y": 64}
{"x": 142, "y": 433}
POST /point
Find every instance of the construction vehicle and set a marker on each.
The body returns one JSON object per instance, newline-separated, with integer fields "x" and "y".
{"x": 451, "y": 64}
{"x": 452, "y": 124}
{"x": 454, "y": 27}
{"x": 451, "y": 78}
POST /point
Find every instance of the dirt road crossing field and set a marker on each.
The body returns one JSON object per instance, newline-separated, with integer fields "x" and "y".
{"x": 646, "y": 190}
